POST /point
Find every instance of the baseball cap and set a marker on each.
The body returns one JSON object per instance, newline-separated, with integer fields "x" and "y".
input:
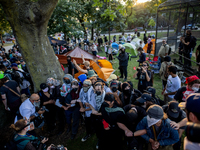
{"x": 21, "y": 60}
{"x": 14, "y": 65}
{"x": 155, "y": 111}
{"x": 111, "y": 77}
{"x": 193, "y": 103}
{"x": 151, "y": 90}
{"x": 43, "y": 85}
{"x": 173, "y": 109}
{"x": 144, "y": 98}
{"x": 114, "y": 84}
{"x": 191, "y": 78}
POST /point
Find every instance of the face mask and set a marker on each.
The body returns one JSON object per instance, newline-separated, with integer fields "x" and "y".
{"x": 52, "y": 87}
{"x": 46, "y": 89}
{"x": 127, "y": 92}
{"x": 151, "y": 121}
{"x": 36, "y": 104}
{"x": 195, "y": 89}
{"x": 85, "y": 89}
{"x": 98, "y": 92}
{"x": 114, "y": 89}
{"x": 68, "y": 61}
{"x": 75, "y": 89}
{"x": 67, "y": 81}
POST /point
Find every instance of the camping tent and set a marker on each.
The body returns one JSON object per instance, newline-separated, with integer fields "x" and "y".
{"x": 103, "y": 69}
{"x": 55, "y": 42}
{"x": 145, "y": 47}
{"x": 76, "y": 54}
{"x": 130, "y": 48}
{"x": 136, "y": 42}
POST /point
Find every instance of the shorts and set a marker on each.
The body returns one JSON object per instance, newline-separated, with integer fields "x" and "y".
{"x": 148, "y": 51}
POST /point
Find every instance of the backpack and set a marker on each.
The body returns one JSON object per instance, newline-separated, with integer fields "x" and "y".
{"x": 12, "y": 145}
{"x": 165, "y": 72}
{"x": 26, "y": 75}
{"x": 193, "y": 42}
{"x": 170, "y": 50}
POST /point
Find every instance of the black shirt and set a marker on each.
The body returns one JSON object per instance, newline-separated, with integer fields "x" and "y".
{"x": 143, "y": 83}
{"x": 11, "y": 97}
{"x": 179, "y": 94}
{"x": 70, "y": 67}
{"x": 198, "y": 57}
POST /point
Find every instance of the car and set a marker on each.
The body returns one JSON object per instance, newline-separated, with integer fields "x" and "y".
{"x": 10, "y": 39}
{"x": 189, "y": 26}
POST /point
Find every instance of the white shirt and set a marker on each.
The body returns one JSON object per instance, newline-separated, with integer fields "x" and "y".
{"x": 190, "y": 145}
{"x": 129, "y": 38}
{"x": 26, "y": 109}
{"x": 173, "y": 84}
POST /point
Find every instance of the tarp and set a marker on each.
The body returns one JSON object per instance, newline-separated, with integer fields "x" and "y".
{"x": 145, "y": 47}
{"x": 103, "y": 69}
{"x": 76, "y": 54}
{"x": 130, "y": 48}
{"x": 115, "y": 45}
{"x": 55, "y": 42}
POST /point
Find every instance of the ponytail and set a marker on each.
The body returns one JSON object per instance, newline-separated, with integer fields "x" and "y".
{"x": 19, "y": 125}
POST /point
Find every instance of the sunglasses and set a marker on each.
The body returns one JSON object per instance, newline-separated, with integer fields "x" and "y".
{"x": 144, "y": 65}
{"x": 37, "y": 100}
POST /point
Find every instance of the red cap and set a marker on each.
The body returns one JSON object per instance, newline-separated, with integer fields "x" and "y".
{"x": 191, "y": 78}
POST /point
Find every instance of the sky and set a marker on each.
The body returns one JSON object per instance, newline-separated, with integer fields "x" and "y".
{"x": 142, "y": 1}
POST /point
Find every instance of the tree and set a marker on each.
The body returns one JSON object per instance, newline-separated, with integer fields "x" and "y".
{"x": 152, "y": 23}
{"x": 4, "y": 24}
{"x": 29, "y": 19}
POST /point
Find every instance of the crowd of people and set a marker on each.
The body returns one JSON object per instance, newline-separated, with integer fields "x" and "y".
{"x": 114, "y": 111}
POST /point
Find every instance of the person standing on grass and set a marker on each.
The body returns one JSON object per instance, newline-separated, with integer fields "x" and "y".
{"x": 172, "y": 86}
{"x": 109, "y": 49}
{"x": 150, "y": 47}
{"x": 164, "y": 49}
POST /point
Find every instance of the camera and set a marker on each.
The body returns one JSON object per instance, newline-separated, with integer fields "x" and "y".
{"x": 44, "y": 108}
{"x": 139, "y": 69}
{"x": 58, "y": 147}
{"x": 192, "y": 132}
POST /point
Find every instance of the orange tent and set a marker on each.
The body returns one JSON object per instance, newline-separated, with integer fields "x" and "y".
{"x": 76, "y": 54}
{"x": 146, "y": 45}
{"x": 103, "y": 67}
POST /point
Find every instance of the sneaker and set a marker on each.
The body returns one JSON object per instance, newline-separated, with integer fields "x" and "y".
{"x": 97, "y": 146}
{"x": 85, "y": 138}
{"x": 125, "y": 79}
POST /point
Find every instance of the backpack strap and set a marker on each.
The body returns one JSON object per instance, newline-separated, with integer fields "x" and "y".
{"x": 154, "y": 132}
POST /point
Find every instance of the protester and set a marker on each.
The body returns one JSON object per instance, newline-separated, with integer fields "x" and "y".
{"x": 72, "y": 102}
{"x": 66, "y": 87}
{"x": 198, "y": 56}
{"x": 70, "y": 66}
{"x": 160, "y": 135}
{"x": 94, "y": 49}
{"x": 100, "y": 41}
{"x": 129, "y": 38}
{"x": 105, "y": 39}
{"x": 163, "y": 70}
{"x": 47, "y": 100}
{"x": 6, "y": 62}
{"x": 164, "y": 49}
{"x": 193, "y": 84}
{"x": 111, "y": 78}
{"x": 172, "y": 86}
{"x": 188, "y": 47}
{"x": 175, "y": 114}
{"x": 83, "y": 96}
{"x": 10, "y": 94}
{"x": 109, "y": 50}
{"x": 145, "y": 39}
{"x": 7, "y": 73}
{"x": 123, "y": 63}
{"x": 23, "y": 139}
{"x": 144, "y": 76}
{"x": 28, "y": 108}
{"x": 142, "y": 55}
{"x": 24, "y": 84}
{"x": 180, "y": 48}
{"x": 150, "y": 47}
{"x": 128, "y": 95}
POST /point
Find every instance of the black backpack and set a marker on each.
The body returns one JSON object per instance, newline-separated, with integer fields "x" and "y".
{"x": 170, "y": 50}
{"x": 12, "y": 145}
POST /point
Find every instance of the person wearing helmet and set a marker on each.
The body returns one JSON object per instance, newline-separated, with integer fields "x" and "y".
{"x": 123, "y": 63}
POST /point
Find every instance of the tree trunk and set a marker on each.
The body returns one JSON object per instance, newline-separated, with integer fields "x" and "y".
{"x": 92, "y": 33}
{"x": 29, "y": 23}
{"x": 109, "y": 34}
{"x": 1, "y": 40}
